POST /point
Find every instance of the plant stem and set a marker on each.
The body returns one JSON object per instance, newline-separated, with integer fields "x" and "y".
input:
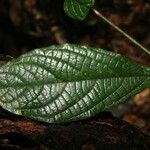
{"x": 121, "y": 31}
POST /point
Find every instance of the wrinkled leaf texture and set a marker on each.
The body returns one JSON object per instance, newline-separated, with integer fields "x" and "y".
{"x": 78, "y": 9}
{"x": 68, "y": 82}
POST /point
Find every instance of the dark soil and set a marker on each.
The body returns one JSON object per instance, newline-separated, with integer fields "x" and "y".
{"x": 105, "y": 133}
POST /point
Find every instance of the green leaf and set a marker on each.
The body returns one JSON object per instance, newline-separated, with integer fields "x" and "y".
{"x": 68, "y": 82}
{"x": 78, "y": 9}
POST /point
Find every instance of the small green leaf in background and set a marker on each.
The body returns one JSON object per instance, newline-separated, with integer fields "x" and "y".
{"x": 68, "y": 82}
{"x": 78, "y": 9}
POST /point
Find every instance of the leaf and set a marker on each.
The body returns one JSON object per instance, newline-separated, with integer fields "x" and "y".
{"x": 68, "y": 82}
{"x": 78, "y": 9}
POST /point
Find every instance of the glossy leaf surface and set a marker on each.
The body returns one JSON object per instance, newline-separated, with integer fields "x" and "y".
{"x": 68, "y": 82}
{"x": 78, "y": 9}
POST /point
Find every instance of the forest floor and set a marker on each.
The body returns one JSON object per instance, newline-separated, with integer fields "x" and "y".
{"x": 28, "y": 24}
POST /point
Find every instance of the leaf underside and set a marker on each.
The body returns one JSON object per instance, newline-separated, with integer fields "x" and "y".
{"x": 78, "y": 9}
{"x": 68, "y": 82}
